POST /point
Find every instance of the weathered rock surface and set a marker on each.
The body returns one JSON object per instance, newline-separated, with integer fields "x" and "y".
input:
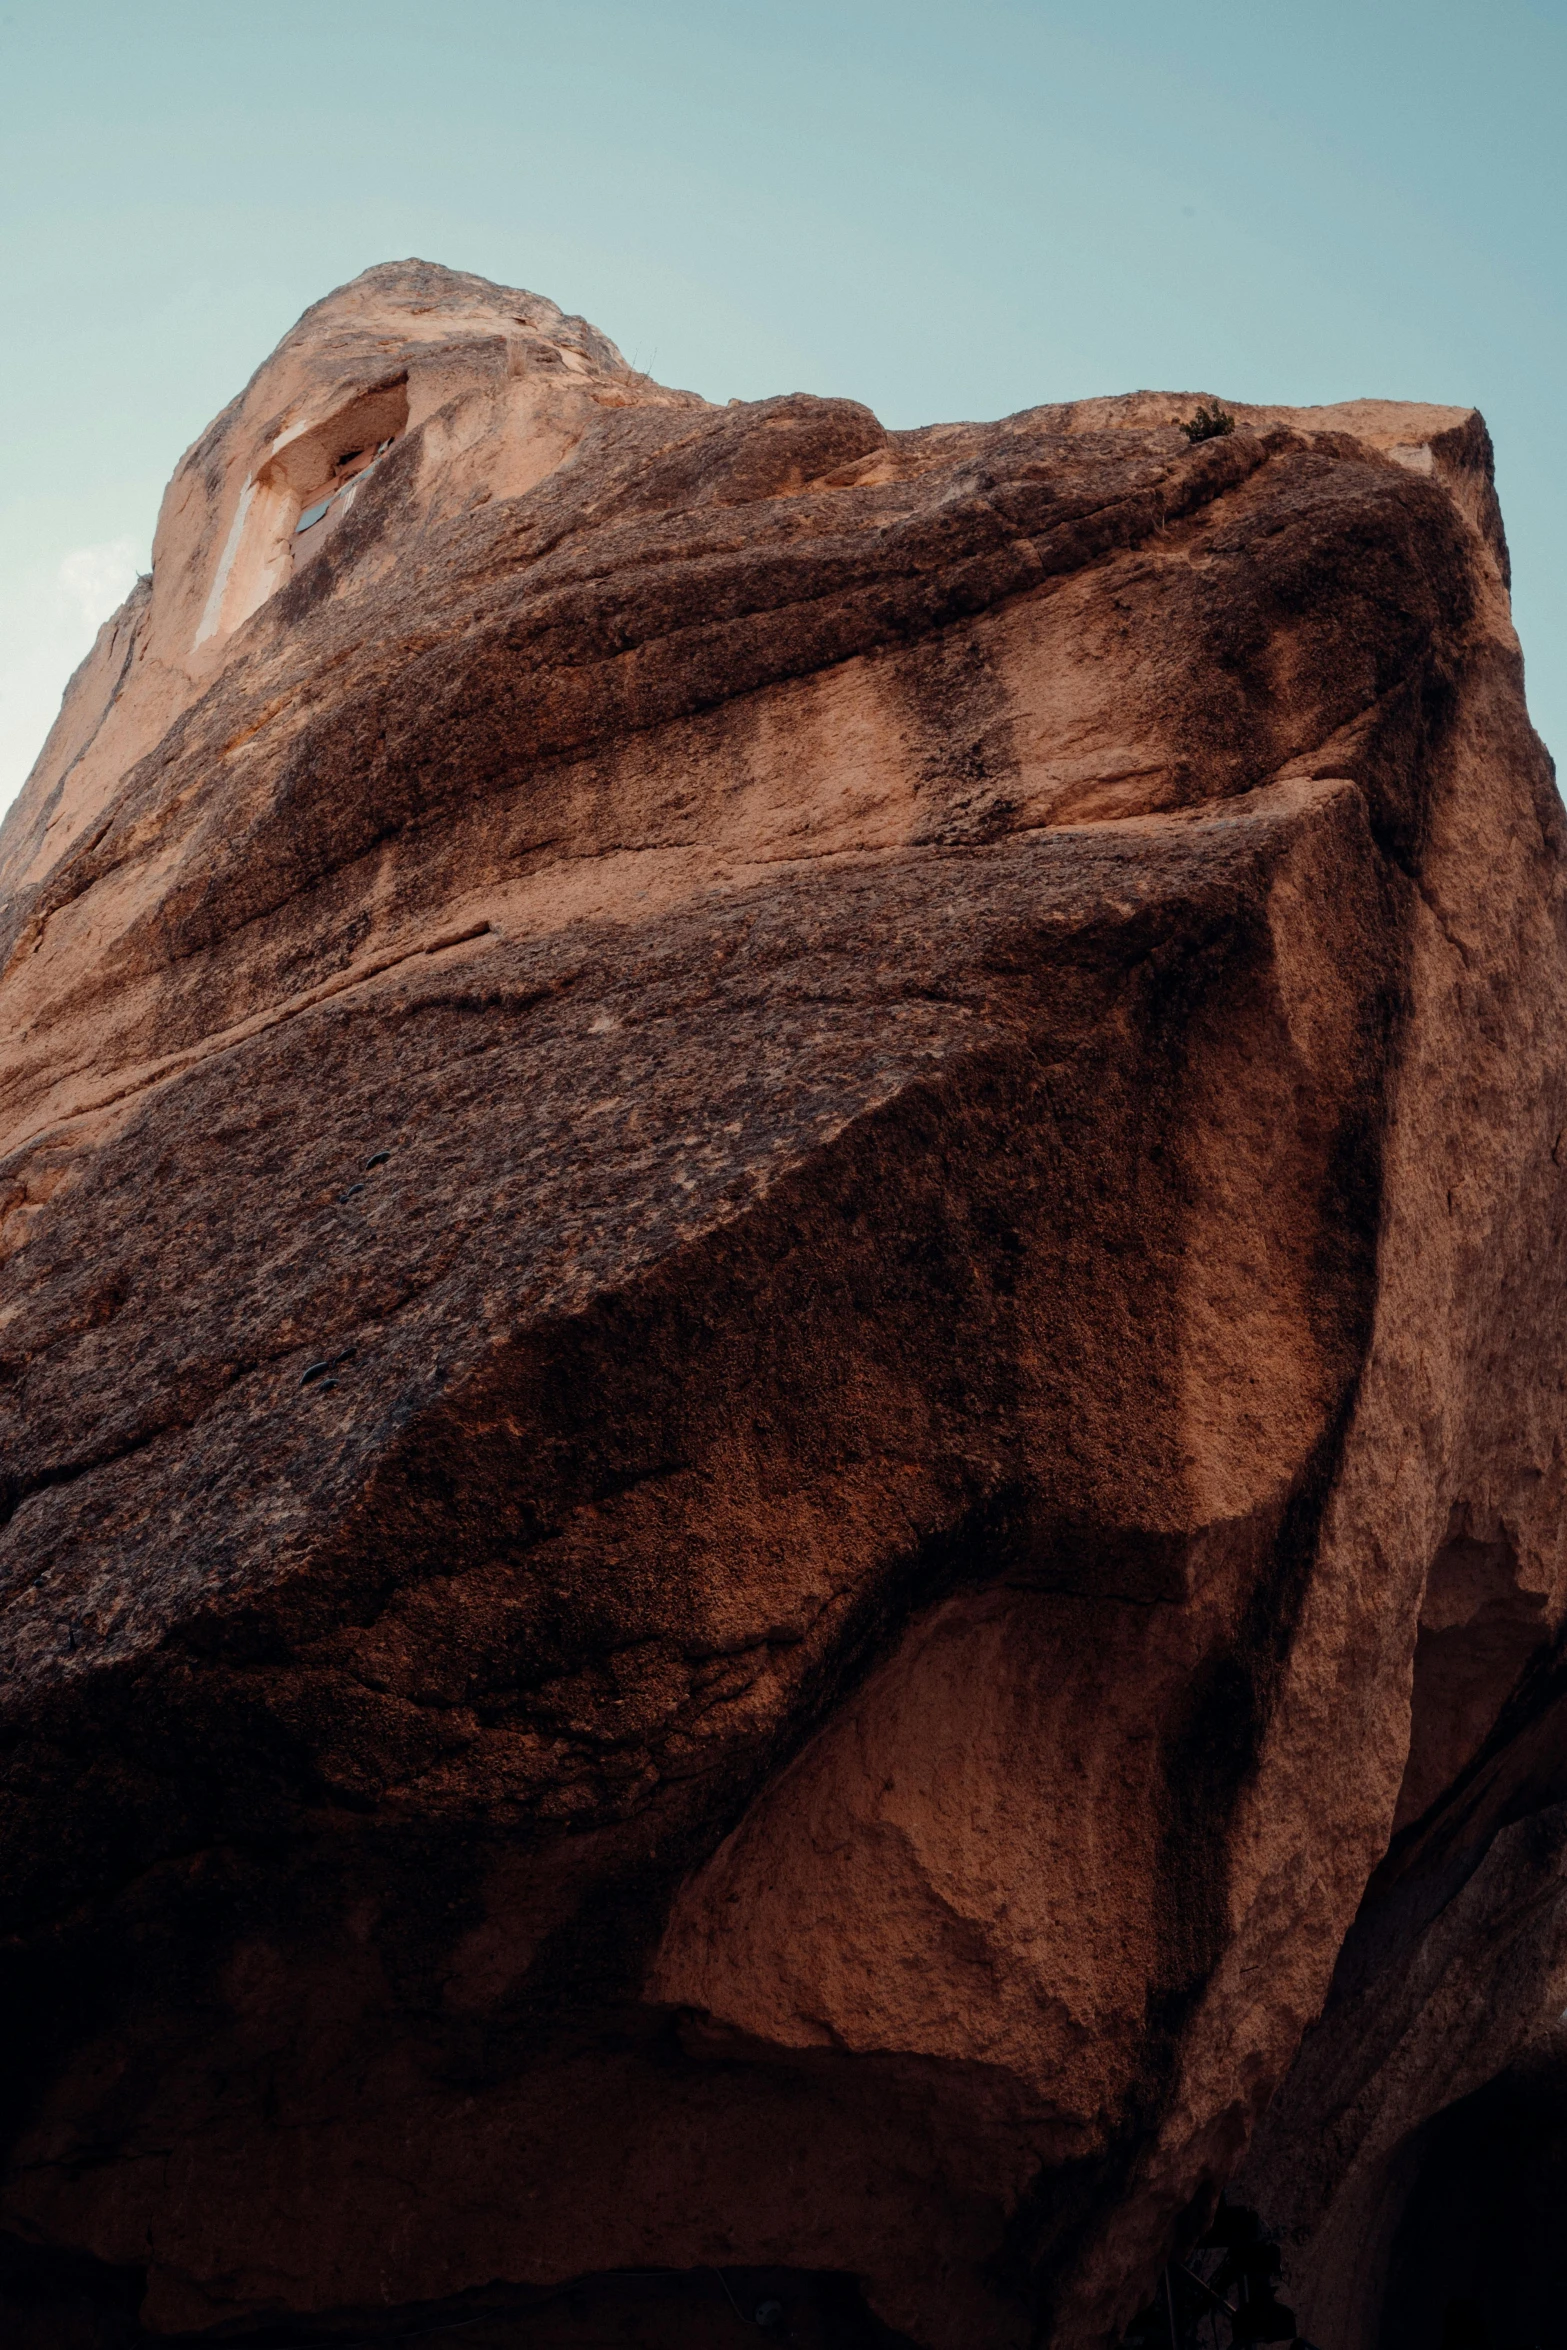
{"x": 782, "y": 1230}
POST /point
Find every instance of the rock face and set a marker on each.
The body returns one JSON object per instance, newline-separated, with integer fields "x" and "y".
{"x": 781, "y": 1215}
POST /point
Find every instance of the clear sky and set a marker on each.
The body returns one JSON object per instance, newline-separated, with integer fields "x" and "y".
{"x": 944, "y": 210}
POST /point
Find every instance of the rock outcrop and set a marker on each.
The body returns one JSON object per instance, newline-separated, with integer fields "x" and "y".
{"x": 781, "y": 1216}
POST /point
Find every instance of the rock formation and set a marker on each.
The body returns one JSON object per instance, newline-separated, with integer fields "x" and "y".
{"x": 780, "y": 1352}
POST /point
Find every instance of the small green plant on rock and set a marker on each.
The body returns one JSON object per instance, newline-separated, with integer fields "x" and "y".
{"x": 1209, "y": 424}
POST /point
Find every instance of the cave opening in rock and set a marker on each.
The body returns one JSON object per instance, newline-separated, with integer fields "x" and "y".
{"x": 1479, "y": 2259}
{"x": 297, "y": 499}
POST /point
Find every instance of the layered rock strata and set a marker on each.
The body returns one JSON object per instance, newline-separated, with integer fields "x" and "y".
{"x": 781, "y": 1216}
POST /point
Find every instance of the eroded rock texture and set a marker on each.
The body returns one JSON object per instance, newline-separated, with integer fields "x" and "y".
{"x": 781, "y": 1233}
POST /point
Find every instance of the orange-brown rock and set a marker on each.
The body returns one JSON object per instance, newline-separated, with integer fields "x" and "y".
{"x": 781, "y": 1236}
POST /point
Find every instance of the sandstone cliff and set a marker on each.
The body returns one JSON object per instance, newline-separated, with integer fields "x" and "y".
{"x": 780, "y": 1351}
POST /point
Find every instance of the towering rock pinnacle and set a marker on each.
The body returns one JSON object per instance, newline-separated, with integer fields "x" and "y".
{"x": 781, "y": 1364}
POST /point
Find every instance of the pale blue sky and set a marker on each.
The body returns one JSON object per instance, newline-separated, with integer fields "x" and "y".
{"x": 942, "y": 210}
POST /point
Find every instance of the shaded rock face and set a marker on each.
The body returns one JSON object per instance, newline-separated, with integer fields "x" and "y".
{"x": 780, "y": 1220}
{"x": 1415, "y": 2157}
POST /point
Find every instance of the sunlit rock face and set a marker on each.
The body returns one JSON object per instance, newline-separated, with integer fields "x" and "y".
{"x": 780, "y": 1341}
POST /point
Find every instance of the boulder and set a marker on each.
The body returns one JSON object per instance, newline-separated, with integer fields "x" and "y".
{"x": 780, "y": 1347}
